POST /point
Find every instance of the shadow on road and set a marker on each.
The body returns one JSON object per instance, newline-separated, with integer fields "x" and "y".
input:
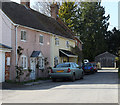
{"x": 101, "y": 77}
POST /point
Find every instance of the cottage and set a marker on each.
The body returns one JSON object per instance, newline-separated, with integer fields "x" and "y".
{"x": 37, "y": 41}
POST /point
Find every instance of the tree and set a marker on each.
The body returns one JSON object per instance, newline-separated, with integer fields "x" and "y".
{"x": 67, "y": 13}
{"x": 42, "y": 7}
{"x": 92, "y": 28}
{"x": 113, "y": 41}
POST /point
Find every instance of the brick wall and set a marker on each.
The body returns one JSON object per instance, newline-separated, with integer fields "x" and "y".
{"x": 7, "y": 68}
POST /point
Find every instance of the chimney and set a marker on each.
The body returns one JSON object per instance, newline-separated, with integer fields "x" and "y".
{"x": 25, "y": 2}
{"x": 54, "y": 10}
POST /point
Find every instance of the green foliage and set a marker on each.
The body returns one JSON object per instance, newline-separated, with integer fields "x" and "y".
{"x": 46, "y": 61}
{"x": 77, "y": 51}
{"x": 113, "y": 41}
{"x": 19, "y": 50}
{"x": 19, "y": 72}
{"x": 92, "y": 29}
{"x": 67, "y": 13}
{"x": 87, "y": 20}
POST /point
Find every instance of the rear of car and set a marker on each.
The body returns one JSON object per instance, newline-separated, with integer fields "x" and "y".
{"x": 88, "y": 68}
{"x": 95, "y": 67}
{"x": 65, "y": 71}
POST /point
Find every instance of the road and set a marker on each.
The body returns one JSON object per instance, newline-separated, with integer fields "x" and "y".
{"x": 101, "y": 87}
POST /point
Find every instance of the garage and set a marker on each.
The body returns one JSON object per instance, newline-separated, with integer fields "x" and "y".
{"x": 4, "y": 61}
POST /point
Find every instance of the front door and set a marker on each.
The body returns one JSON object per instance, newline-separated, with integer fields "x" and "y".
{"x": 33, "y": 67}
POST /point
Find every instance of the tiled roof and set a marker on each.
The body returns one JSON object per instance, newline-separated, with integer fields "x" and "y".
{"x": 35, "y": 54}
{"x": 22, "y": 15}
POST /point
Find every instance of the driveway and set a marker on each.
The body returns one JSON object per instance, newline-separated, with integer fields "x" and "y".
{"x": 101, "y": 87}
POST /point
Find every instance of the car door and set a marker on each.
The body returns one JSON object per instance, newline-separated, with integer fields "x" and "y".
{"x": 76, "y": 69}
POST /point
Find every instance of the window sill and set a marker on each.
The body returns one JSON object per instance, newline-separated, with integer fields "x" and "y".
{"x": 41, "y": 43}
{"x": 56, "y": 45}
{"x": 23, "y": 40}
{"x": 25, "y": 69}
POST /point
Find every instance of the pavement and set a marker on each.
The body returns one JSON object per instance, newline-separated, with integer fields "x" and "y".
{"x": 6, "y": 85}
{"x": 101, "y": 87}
{"x": 36, "y": 83}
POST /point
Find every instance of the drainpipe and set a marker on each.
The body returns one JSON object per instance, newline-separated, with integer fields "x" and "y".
{"x": 16, "y": 27}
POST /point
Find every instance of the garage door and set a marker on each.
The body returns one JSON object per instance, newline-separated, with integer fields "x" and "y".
{"x": 2, "y": 66}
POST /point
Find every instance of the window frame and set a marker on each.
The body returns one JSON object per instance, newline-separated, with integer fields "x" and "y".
{"x": 24, "y": 62}
{"x": 57, "y": 41}
{"x": 41, "y": 63}
{"x": 67, "y": 44}
{"x": 39, "y": 39}
{"x": 24, "y": 37}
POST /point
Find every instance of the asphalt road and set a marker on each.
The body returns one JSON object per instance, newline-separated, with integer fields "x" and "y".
{"x": 101, "y": 87}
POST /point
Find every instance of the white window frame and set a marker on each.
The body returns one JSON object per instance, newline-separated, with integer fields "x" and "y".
{"x": 67, "y": 44}
{"x": 41, "y": 63}
{"x": 23, "y": 57}
{"x": 39, "y": 39}
{"x": 57, "y": 41}
{"x": 8, "y": 61}
{"x": 24, "y": 39}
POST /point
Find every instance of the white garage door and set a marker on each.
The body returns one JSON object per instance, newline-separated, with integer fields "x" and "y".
{"x": 2, "y": 66}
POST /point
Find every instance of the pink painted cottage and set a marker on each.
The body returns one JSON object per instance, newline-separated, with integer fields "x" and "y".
{"x": 31, "y": 34}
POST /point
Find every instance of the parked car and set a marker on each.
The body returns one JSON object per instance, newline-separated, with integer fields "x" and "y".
{"x": 94, "y": 66}
{"x": 88, "y": 68}
{"x": 68, "y": 70}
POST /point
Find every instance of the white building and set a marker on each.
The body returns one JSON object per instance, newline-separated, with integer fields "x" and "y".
{"x": 5, "y": 46}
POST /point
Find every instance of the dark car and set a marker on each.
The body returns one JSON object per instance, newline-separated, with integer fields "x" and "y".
{"x": 94, "y": 66}
{"x": 88, "y": 68}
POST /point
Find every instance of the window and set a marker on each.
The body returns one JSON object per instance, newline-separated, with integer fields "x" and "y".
{"x": 41, "y": 63}
{"x": 8, "y": 61}
{"x": 74, "y": 66}
{"x": 23, "y": 35}
{"x": 41, "y": 39}
{"x": 56, "y": 61}
{"x": 67, "y": 44}
{"x": 24, "y": 62}
{"x": 56, "y": 41}
{"x": 63, "y": 65}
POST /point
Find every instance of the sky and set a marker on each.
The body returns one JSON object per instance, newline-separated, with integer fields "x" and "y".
{"x": 111, "y": 8}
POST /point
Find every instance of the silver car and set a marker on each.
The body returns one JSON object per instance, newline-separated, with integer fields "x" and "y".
{"x": 69, "y": 70}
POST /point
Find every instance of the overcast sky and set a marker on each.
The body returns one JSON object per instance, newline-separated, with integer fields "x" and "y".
{"x": 111, "y": 7}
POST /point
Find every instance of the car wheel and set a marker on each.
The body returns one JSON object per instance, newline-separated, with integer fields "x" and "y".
{"x": 53, "y": 79}
{"x": 73, "y": 78}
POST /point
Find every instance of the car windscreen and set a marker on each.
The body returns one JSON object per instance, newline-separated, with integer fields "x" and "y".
{"x": 88, "y": 64}
{"x": 62, "y": 65}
